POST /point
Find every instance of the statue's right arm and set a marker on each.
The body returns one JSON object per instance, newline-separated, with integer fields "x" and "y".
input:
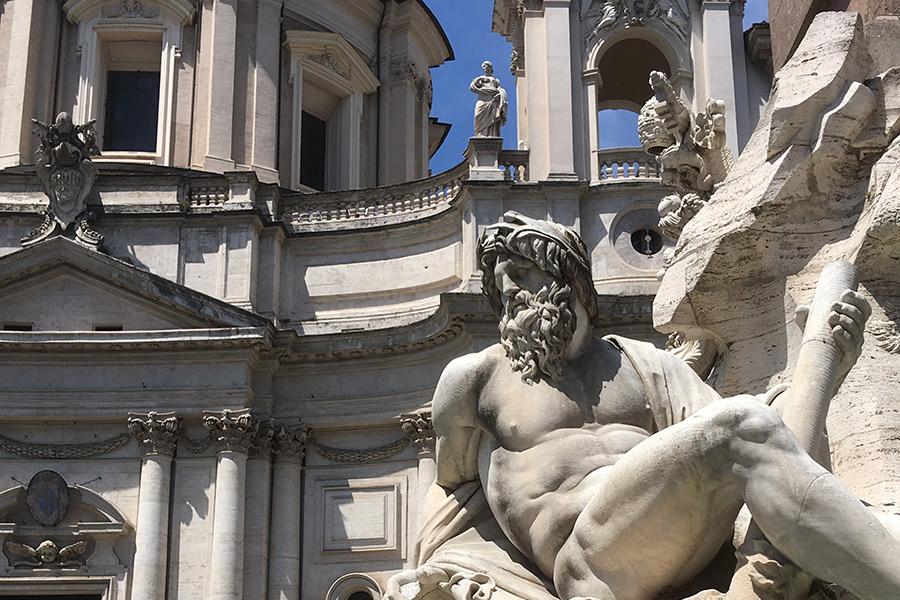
{"x": 454, "y": 416}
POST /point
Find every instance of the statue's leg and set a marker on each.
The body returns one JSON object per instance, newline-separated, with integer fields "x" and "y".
{"x": 668, "y": 504}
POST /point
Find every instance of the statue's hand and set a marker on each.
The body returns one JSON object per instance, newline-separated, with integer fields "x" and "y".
{"x": 848, "y": 322}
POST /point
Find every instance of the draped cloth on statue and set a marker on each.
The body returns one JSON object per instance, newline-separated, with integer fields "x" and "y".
{"x": 462, "y": 541}
{"x": 491, "y": 107}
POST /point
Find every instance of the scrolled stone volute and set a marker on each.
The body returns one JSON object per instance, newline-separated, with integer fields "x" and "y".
{"x": 156, "y": 432}
{"x": 231, "y": 430}
{"x": 420, "y": 430}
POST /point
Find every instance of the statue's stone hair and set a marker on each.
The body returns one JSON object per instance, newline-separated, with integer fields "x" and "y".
{"x": 553, "y": 248}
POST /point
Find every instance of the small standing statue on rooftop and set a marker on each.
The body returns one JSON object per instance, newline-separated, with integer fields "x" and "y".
{"x": 490, "y": 110}
{"x": 63, "y": 164}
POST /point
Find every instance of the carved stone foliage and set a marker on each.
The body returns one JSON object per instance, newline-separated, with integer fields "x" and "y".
{"x": 420, "y": 430}
{"x": 63, "y": 451}
{"x": 47, "y": 554}
{"x": 231, "y": 430}
{"x": 290, "y": 444}
{"x": 157, "y": 433}
{"x": 63, "y": 164}
{"x": 602, "y": 16}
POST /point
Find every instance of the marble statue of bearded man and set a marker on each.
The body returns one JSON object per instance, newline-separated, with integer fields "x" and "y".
{"x": 571, "y": 465}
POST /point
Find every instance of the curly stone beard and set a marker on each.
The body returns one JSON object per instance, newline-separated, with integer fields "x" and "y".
{"x": 536, "y": 329}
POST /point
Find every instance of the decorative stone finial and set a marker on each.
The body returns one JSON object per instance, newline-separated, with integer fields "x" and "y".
{"x": 231, "y": 430}
{"x": 291, "y": 443}
{"x": 420, "y": 430}
{"x": 156, "y": 432}
{"x": 63, "y": 164}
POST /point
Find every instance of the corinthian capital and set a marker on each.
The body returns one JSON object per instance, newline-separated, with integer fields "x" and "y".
{"x": 419, "y": 429}
{"x": 290, "y": 444}
{"x": 156, "y": 432}
{"x": 231, "y": 430}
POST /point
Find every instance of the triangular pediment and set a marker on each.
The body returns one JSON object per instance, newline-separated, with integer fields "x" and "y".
{"x": 59, "y": 285}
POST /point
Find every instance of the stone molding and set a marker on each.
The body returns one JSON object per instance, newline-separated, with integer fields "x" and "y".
{"x": 420, "y": 430}
{"x": 231, "y": 430}
{"x": 157, "y": 433}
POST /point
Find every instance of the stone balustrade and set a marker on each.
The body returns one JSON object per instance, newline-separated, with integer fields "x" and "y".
{"x": 514, "y": 164}
{"x": 357, "y": 209}
{"x": 620, "y": 164}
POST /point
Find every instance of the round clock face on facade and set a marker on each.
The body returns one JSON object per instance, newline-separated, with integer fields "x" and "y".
{"x": 638, "y": 240}
{"x": 47, "y": 498}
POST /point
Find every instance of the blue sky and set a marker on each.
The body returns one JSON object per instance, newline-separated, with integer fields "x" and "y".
{"x": 468, "y": 25}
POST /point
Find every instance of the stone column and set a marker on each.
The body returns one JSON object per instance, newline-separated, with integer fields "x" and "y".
{"x": 420, "y": 430}
{"x": 256, "y": 520}
{"x": 287, "y": 508}
{"x": 719, "y": 66}
{"x": 296, "y": 80}
{"x": 158, "y": 436}
{"x": 264, "y": 145}
{"x": 232, "y": 432}
{"x": 218, "y": 40}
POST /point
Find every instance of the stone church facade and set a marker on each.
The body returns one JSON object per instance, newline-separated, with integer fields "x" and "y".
{"x": 220, "y": 388}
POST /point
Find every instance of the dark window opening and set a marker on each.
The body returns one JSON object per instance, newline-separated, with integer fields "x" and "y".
{"x": 18, "y": 327}
{"x": 107, "y": 327}
{"x": 646, "y": 241}
{"x": 132, "y": 107}
{"x": 313, "y": 149}
{"x": 360, "y": 596}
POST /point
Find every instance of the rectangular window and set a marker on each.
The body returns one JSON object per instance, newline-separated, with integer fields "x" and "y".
{"x": 313, "y": 151}
{"x": 132, "y": 104}
{"x": 18, "y": 327}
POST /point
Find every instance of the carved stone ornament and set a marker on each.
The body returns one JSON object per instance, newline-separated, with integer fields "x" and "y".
{"x": 420, "y": 430}
{"x": 46, "y": 554}
{"x": 329, "y": 61}
{"x": 63, "y": 164}
{"x": 231, "y": 430}
{"x": 47, "y": 498}
{"x": 290, "y": 444}
{"x": 602, "y": 16}
{"x": 130, "y": 9}
{"x": 156, "y": 432}
{"x": 262, "y": 443}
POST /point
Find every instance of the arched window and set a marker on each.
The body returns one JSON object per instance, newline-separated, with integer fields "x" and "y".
{"x": 129, "y": 50}
{"x": 354, "y": 586}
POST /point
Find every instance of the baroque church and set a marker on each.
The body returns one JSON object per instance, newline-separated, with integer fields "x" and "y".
{"x": 229, "y": 282}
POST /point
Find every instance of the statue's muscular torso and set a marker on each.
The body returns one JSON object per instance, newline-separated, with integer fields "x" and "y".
{"x": 572, "y": 430}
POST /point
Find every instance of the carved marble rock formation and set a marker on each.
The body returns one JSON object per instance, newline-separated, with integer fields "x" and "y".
{"x": 492, "y": 104}
{"x": 819, "y": 181}
{"x": 547, "y": 487}
{"x": 63, "y": 164}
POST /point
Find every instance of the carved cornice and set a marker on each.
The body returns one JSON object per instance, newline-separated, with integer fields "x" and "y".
{"x": 157, "y": 433}
{"x": 78, "y": 11}
{"x": 290, "y": 444}
{"x": 420, "y": 430}
{"x": 231, "y": 430}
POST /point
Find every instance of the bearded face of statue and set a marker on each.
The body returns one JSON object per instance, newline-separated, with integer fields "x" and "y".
{"x": 538, "y": 321}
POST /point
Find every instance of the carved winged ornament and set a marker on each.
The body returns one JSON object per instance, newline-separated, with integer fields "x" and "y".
{"x": 599, "y": 17}
{"x": 47, "y": 554}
